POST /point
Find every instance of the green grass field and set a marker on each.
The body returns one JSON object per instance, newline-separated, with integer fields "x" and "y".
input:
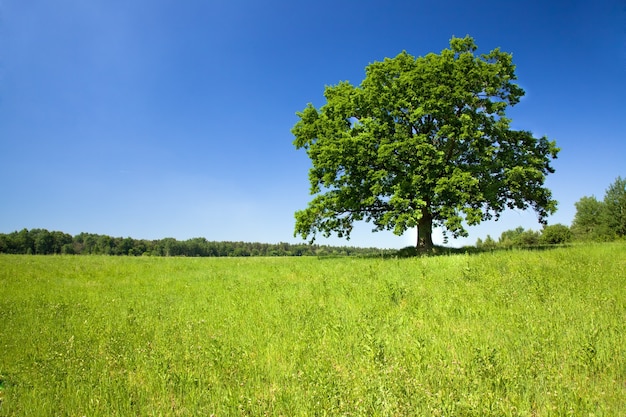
{"x": 511, "y": 333}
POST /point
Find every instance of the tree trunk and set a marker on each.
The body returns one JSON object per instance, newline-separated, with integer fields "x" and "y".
{"x": 425, "y": 231}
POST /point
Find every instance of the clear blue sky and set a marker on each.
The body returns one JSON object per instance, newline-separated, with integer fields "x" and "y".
{"x": 165, "y": 118}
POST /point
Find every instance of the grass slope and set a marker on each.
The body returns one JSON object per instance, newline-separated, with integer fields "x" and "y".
{"x": 512, "y": 333}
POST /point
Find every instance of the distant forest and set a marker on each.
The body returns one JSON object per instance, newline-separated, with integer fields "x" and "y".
{"x": 44, "y": 242}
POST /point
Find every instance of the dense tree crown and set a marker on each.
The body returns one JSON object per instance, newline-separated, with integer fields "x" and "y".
{"x": 422, "y": 142}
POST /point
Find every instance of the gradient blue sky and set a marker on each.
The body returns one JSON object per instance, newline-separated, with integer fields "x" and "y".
{"x": 165, "y": 118}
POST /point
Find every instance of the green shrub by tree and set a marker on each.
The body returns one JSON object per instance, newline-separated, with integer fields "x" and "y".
{"x": 422, "y": 142}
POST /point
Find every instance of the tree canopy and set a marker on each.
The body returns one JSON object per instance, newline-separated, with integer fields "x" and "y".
{"x": 422, "y": 142}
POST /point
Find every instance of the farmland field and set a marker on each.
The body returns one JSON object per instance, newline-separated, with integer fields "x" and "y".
{"x": 509, "y": 333}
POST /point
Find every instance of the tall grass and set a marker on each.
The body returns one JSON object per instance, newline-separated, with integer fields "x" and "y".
{"x": 512, "y": 333}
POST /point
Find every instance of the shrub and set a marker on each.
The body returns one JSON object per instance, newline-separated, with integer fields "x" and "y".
{"x": 556, "y": 234}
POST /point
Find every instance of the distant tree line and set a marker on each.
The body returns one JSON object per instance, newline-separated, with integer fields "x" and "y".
{"x": 44, "y": 242}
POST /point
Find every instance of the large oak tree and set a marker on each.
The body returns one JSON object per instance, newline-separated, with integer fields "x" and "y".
{"x": 422, "y": 142}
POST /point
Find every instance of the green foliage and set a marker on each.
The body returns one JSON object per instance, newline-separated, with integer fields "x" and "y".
{"x": 43, "y": 242}
{"x": 615, "y": 207}
{"x": 508, "y": 333}
{"x": 36, "y": 241}
{"x": 422, "y": 142}
{"x": 555, "y": 234}
{"x": 602, "y": 220}
{"x": 489, "y": 243}
{"x": 588, "y": 222}
{"x": 518, "y": 237}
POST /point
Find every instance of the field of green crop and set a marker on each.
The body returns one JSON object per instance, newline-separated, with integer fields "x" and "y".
{"x": 511, "y": 333}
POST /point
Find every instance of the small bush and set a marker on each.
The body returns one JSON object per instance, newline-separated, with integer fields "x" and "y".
{"x": 556, "y": 234}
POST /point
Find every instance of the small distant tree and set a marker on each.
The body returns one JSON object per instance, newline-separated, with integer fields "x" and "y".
{"x": 61, "y": 241}
{"x": 555, "y": 234}
{"x": 4, "y": 244}
{"x": 602, "y": 220}
{"x": 487, "y": 244}
{"x": 105, "y": 245}
{"x": 519, "y": 237}
{"x": 615, "y": 208}
{"x": 510, "y": 237}
{"x": 530, "y": 238}
{"x": 68, "y": 249}
{"x": 44, "y": 241}
{"x": 588, "y": 223}
{"x": 24, "y": 242}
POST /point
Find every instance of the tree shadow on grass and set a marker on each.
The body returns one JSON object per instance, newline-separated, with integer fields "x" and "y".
{"x": 412, "y": 251}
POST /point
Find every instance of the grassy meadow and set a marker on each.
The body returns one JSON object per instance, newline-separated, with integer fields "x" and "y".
{"x": 508, "y": 333}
